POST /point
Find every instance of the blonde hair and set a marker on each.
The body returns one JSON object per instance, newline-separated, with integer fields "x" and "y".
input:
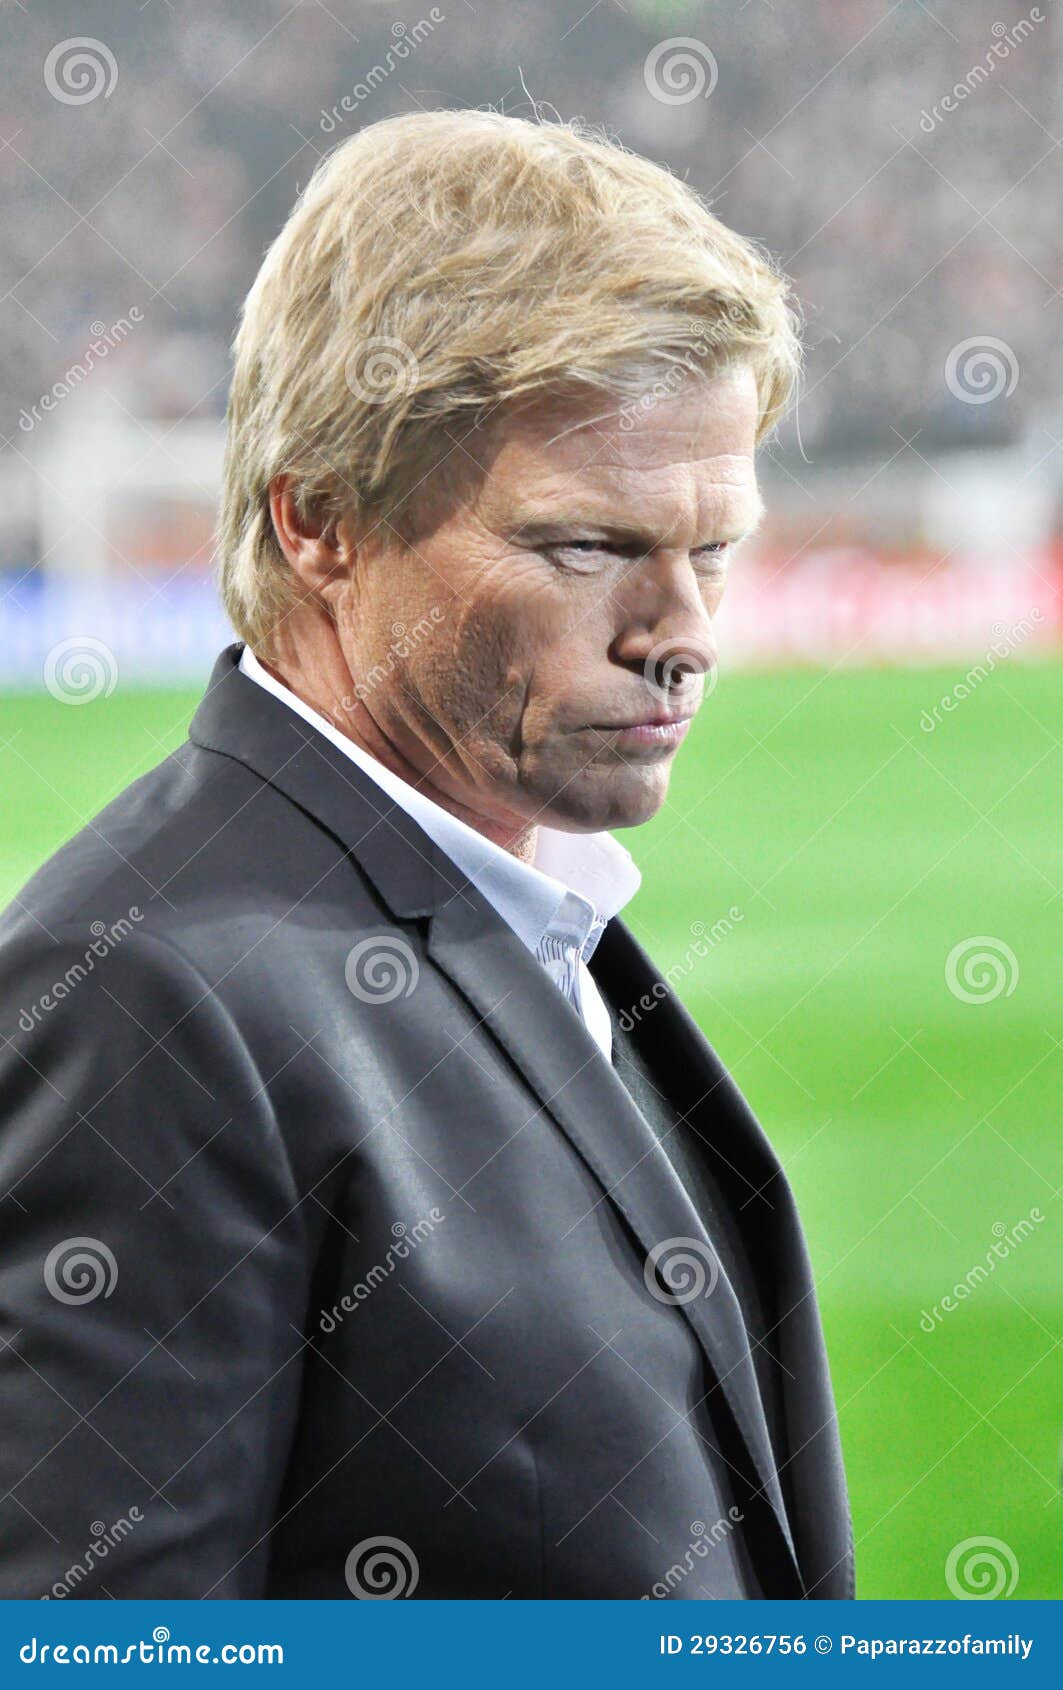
{"x": 444, "y": 265}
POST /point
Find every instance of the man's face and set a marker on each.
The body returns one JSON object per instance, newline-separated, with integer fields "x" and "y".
{"x": 530, "y": 653}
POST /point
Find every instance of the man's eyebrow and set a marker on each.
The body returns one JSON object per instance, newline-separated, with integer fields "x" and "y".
{"x": 533, "y": 526}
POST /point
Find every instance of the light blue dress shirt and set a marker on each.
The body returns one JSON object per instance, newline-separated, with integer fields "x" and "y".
{"x": 557, "y": 906}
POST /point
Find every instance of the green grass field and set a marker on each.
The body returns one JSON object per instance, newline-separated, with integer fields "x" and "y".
{"x": 919, "y": 1129}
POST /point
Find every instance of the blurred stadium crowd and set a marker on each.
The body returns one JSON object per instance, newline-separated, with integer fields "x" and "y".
{"x": 900, "y": 159}
{"x": 901, "y": 243}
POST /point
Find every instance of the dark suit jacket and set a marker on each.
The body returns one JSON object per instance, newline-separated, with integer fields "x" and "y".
{"x": 325, "y": 1220}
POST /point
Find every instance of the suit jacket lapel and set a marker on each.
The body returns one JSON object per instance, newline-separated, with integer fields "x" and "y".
{"x": 714, "y": 1104}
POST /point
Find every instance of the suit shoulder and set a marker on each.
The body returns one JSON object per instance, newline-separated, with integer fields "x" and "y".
{"x": 198, "y": 823}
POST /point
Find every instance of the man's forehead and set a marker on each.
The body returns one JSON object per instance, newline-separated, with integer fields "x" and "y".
{"x": 709, "y": 431}
{"x": 687, "y": 460}
{"x": 646, "y": 479}
{"x": 634, "y": 493}
{"x": 691, "y": 434}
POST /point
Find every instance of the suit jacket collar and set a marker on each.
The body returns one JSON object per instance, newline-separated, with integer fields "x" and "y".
{"x": 242, "y": 720}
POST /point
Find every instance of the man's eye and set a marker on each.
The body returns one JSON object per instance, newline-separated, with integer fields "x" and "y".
{"x": 712, "y": 559}
{"x": 583, "y": 554}
{"x": 576, "y": 554}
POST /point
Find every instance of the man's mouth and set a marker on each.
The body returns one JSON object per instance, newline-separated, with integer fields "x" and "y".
{"x": 665, "y": 731}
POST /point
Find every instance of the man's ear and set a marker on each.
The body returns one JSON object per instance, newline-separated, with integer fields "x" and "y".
{"x": 320, "y": 553}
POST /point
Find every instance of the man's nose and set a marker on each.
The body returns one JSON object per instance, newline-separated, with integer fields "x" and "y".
{"x": 667, "y": 628}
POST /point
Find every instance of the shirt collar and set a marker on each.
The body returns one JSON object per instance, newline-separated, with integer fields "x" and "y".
{"x": 577, "y": 882}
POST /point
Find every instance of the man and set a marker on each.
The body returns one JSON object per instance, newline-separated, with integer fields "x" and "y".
{"x": 378, "y": 1222}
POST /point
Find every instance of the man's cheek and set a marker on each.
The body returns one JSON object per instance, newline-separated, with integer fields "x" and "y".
{"x": 485, "y": 649}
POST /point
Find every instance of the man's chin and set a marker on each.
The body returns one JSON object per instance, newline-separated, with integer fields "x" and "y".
{"x": 608, "y": 800}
